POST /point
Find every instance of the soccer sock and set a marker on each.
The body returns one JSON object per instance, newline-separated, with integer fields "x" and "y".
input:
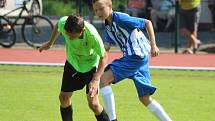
{"x": 103, "y": 116}
{"x": 109, "y": 103}
{"x": 66, "y": 113}
{"x": 158, "y": 111}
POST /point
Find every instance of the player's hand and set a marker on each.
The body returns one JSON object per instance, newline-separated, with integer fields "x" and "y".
{"x": 154, "y": 51}
{"x": 94, "y": 86}
{"x": 46, "y": 46}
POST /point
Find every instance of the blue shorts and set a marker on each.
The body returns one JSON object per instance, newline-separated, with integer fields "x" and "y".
{"x": 135, "y": 68}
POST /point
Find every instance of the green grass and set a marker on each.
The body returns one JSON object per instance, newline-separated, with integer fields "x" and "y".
{"x": 29, "y": 93}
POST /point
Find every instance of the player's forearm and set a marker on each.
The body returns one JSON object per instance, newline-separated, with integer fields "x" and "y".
{"x": 150, "y": 32}
{"x": 101, "y": 66}
{"x": 54, "y": 35}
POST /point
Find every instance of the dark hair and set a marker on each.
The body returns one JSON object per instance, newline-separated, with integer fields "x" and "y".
{"x": 74, "y": 24}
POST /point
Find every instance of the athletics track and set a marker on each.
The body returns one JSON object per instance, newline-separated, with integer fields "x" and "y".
{"x": 56, "y": 57}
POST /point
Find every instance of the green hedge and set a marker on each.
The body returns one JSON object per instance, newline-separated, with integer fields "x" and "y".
{"x": 57, "y": 8}
{"x": 65, "y": 7}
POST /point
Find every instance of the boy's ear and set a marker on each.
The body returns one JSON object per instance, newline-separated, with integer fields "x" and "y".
{"x": 110, "y": 5}
{"x": 83, "y": 30}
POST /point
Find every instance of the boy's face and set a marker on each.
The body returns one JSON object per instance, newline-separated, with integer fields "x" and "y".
{"x": 73, "y": 36}
{"x": 102, "y": 9}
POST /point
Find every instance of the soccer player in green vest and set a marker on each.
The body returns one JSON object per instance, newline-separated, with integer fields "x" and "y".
{"x": 86, "y": 59}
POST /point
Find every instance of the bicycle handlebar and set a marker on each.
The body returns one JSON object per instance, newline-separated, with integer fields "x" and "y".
{"x": 25, "y": 2}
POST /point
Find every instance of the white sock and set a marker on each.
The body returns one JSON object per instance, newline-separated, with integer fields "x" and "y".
{"x": 158, "y": 111}
{"x": 109, "y": 102}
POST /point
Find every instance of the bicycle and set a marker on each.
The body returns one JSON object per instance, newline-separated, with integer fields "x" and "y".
{"x": 35, "y": 29}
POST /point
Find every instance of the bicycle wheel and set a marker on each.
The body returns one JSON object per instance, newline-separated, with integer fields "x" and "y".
{"x": 7, "y": 33}
{"x": 36, "y": 30}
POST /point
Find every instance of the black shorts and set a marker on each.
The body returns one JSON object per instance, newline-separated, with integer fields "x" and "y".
{"x": 189, "y": 19}
{"x": 74, "y": 80}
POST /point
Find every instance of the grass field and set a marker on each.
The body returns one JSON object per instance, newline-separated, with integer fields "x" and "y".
{"x": 29, "y": 93}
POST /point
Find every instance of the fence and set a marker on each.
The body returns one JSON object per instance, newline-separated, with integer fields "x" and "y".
{"x": 170, "y": 39}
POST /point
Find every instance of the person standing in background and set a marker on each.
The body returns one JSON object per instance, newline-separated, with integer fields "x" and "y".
{"x": 136, "y": 7}
{"x": 2, "y": 3}
{"x": 189, "y": 20}
{"x": 162, "y": 9}
{"x": 211, "y": 6}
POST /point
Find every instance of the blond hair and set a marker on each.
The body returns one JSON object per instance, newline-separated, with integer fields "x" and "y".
{"x": 105, "y": 1}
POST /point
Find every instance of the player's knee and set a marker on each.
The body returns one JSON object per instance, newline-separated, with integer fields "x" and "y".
{"x": 93, "y": 105}
{"x": 106, "y": 78}
{"x": 185, "y": 32}
{"x": 145, "y": 100}
{"x": 63, "y": 98}
{"x": 103, "y": 82}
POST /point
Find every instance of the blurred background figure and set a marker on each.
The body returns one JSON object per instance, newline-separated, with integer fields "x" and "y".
{"x": 189, "y": 20}
{"x": 2, "y": 3}
{"x": 136, "y": 8}
{"x": 211, "y": 6}
{"x": 90, "y": 8}
{"x": 164, "y": 10}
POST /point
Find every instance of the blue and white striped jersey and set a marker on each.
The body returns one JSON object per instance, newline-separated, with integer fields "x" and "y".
{"x": 125, "y": 33}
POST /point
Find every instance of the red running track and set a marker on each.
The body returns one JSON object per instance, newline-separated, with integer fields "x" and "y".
{"x": 58, "y": 56}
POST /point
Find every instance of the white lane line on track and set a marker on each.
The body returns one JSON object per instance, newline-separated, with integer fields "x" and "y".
{"x": 152, "y": 67}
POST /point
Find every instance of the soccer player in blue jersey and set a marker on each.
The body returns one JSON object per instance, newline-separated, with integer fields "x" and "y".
{"x": 124, "y": 31}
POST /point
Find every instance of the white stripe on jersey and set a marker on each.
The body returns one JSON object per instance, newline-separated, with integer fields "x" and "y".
{"x": 140, "y": 43}
{"x": 126, "y": 40}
